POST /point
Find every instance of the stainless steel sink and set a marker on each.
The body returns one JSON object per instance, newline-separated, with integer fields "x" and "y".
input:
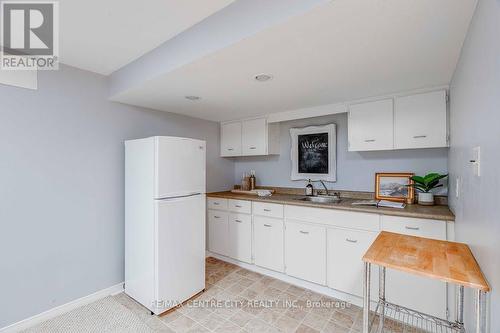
{"x": 322, "y": 199}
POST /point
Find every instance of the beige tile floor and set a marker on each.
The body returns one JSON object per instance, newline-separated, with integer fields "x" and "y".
{"x": 239, "y": 300}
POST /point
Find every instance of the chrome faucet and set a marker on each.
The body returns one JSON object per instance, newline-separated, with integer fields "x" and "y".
{"x": 326, "y": 188}
{"x": 335, "y": 194}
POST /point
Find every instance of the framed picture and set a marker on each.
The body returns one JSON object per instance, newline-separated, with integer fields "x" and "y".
{"x": 313, "y": 153}
{"x": 394, "y": 187}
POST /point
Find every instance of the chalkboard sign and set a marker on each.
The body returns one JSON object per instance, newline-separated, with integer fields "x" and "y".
{"x": 313, "y": 153}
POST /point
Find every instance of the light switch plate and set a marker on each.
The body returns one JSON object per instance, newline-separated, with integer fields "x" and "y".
{"x": 476, "y": 161}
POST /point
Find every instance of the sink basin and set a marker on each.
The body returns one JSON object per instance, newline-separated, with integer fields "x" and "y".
{"x": 321, "y": 199}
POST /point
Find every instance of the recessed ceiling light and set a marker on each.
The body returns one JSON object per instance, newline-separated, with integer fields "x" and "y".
{"x": 193, "y": 98}
{"x": 263, "y": 77}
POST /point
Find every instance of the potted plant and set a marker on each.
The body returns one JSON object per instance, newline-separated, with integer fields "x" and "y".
{"x": 424, "y": 185}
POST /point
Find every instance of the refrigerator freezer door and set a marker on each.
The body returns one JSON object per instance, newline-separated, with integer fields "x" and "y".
{"x": 179, "y": 250}
{"x": 179, "y": 167}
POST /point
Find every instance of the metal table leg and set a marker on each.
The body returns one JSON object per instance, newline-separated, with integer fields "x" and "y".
{"x": 480, "y": 311}
{"x": 366, "y": 298}
{"x": 381, "y": 296}
{"x": 459, "y": 305}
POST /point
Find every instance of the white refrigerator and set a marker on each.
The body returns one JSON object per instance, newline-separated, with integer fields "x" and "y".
{"x": 164, "y": 220}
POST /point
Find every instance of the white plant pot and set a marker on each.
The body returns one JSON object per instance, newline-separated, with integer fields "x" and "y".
{"x": 426, "y": 199}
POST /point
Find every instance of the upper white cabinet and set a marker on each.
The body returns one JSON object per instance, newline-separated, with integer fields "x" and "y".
{"x": 407, "y": 122}
{"x": 371, "y": 126}
{"x": 230, "y": 143}
{"x": 420, "y": 121}
{"x": 250, "y": 137}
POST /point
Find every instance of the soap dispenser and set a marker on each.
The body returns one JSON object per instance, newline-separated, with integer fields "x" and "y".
{"x": 309, "y": 189}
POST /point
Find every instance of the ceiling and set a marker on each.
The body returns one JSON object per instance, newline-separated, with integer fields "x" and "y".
{"x": 339, "y": 51}
{"x": 102, "y": 36}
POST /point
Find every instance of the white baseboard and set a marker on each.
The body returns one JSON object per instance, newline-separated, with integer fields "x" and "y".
{"x": 54, "y": 312}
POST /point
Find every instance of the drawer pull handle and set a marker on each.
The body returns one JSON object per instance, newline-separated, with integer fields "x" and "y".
{"x": 267, "y": 225}
{"x": 216, "y": 203}
{"x": 253, "y": 147}
{"x": 230, "y": 149}
{"x": 419, "y": 136}
{"x": 267, "y": 210}
{"x": 239, "y": 221}
{"x": 237, "y": 206}
{"x": 304, "y": 232}
{"x": 370, "y": 140}
{"x": 351, "y": 240}
{"x": 412, "y": 228}
{"x": 217, "y": 217}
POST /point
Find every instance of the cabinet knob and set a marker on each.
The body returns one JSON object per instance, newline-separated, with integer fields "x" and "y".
{"x": 216, "y": 217}
{"x": 304, "y": 232}
{"x": 419, "y": 136}
{"x": 351, "y": 240}
{"x": 239, "y": 221}
{"x": 230, "y": 149}
{"x": 216, "y": 203}
{"x": 370, "y": 140}
{"x": 253, "y": 147}
{"x": 267, "y": 210}
{"x": 237, "y": 206}
{"x": 267, "y": 225}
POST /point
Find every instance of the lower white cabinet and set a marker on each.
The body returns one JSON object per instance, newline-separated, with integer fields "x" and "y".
{"x": 240, "y": 237}
{"x": 268, "y": 243}
{"x": 345, "y": 267}
{"x": 419, "y": 293}
{"x": 305, "y": 251}
{"x": 218, "y": 228}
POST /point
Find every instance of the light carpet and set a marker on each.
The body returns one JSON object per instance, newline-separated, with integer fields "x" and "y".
{"x": 105, "y": 315}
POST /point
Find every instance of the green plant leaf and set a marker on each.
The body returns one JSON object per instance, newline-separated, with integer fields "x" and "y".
{"x": 418, "y": 179}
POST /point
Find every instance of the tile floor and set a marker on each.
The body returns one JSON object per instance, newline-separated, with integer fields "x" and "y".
{"x": 239, "y": 300}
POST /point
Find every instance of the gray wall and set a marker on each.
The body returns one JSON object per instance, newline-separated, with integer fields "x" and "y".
{"x": 61, "y": 187}
{"x": 355, "y": 170}
{"x": 475, "y": 118}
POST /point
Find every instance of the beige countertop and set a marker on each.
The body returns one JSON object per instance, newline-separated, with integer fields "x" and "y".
{"x": 416, "y": 211}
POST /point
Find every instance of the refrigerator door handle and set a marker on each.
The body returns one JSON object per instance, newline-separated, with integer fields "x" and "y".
{"x": 180, "y": 196}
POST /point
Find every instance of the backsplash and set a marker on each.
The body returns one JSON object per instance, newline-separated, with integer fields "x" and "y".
{"x": 355, "y": 170}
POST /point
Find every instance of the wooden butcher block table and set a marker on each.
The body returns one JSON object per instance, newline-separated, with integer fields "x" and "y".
{"x": 436, "y": 259}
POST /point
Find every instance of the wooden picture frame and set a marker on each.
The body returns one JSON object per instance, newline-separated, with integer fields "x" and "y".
{"x": 394, "y": 187}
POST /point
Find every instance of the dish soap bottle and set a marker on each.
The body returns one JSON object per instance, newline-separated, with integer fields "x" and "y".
{"x": 309, "y": 189}
{"x": 252, "y": 180}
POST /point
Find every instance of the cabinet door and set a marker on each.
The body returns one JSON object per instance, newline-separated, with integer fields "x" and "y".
{"x": 218, "y": 232}
{"x": 254, "y": 137}
{"x": 370, "y": 126}
{"x": 268, "y": 243}
{"x": 230, "y": 143}
{"x": 415, "y": 292}
{"x": 420, "y": 121}
{"x": 240, "y": 237}
{"x": 305, "y": 251}
{"x": 345, "y": 267}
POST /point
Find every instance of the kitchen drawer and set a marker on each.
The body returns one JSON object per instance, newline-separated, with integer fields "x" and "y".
{"x": 305, "y": 251}
{"x": 218, "y": 232}
{"x": 415, "y": 227}
{"x": 217, "y": 203}
{"x": 331, "y": 217}
{"x": 240, "y": 237}
{"x": 268, "y": 209}
{"x": 344, "y": 266}
{"x": 239, "y": 206}
{"x": 268, "y": 243}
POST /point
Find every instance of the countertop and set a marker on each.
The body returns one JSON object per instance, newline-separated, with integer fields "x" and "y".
{"x": 417, "y": 211}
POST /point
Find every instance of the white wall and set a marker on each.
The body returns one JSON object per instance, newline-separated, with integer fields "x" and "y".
{"x": 475, "y": 119}
{"x": 355, "y": 170}
{"x": 62, "y": 183}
